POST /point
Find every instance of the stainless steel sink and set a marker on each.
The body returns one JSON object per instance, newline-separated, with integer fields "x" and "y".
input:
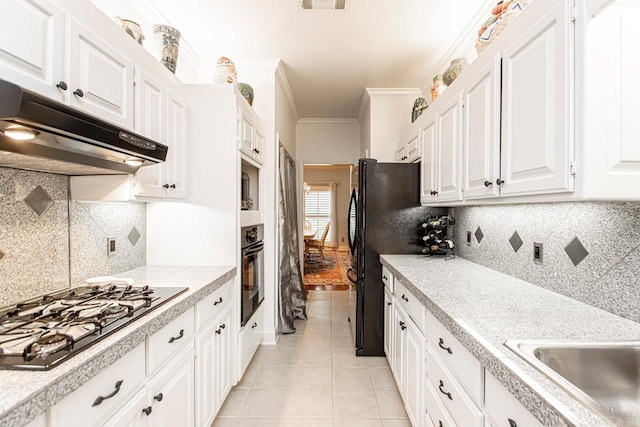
{"x": 604, "y": 376}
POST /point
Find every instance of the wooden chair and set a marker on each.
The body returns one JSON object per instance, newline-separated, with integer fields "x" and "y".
{"x": 317, "y": 245}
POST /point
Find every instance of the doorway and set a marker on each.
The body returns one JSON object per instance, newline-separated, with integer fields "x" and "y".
{"x": 326, "y": 193}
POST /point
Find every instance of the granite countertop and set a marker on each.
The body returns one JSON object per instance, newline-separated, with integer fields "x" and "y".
{"x": 484, "y": 308}
{"x": 26, "y": 394}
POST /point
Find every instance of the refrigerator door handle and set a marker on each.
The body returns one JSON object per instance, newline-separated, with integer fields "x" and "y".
{"x": 352, "y": 208}
{"x": 352, "y": 275}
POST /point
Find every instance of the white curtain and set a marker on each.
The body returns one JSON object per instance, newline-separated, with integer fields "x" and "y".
{"x": 332, "y": 238}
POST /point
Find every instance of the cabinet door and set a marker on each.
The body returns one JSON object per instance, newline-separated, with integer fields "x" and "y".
{"x": 537, "y": 107}
{"x": 258, "y": 150}
{"x": 413, "y": 149}
{"x": 388, "y": 324}
{"x": 101, "y": 79}
{"x": 170, "y": 393}
{"x": 205, "y": 377}
{"x": 481, "y": 134}
{"x": 245, "y": 132}
{"x": 398, "y": 364}
{"x": 222, "y": 343}
{"x": 133, "y": 414}
{"x": 429, "y": 160}
{"x": 32, "y": 46}
{"x": 400, "y": 153}
{"x": 150, "y": 122}
{"x": 176, "y": 164}
{"x": 415, "y": 379}
{"x": 449, "y": 183}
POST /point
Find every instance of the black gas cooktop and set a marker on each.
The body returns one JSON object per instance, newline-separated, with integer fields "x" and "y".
{"x": 42, "y": 332}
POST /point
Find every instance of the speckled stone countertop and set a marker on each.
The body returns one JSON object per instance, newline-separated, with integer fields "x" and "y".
{"x": 484, "y": 308}
{"x": 26, "y": 394}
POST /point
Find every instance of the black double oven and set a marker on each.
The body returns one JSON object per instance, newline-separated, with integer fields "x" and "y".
{"x": 252, "y": 244}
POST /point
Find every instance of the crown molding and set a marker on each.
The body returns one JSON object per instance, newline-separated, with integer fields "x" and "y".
{"x": 321, "y": 120}
{"x": 281, "y": 77}
{"x": 392, "y": 92}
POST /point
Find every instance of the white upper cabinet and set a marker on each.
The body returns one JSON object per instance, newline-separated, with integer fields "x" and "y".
{"x": 537, "y": 116}
{"x": 448, "y": 130}
{"x": 250, "y": 134}
{"x": 100, "y": 78}
{"x": 481, "y": 131}
{"x": 409, "y": 149}
{"x": 31, "y": 46}
{"x": 429, "y": 159}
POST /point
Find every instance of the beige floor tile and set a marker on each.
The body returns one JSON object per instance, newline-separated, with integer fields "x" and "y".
{"x": 355, "y": 404}
{"x": 313, "y": 377}
{"x": 314, "y": 311}
{"x": 259, "y": 355}
{"x": 382, "y": 379}
{"x": 390, "y": 404}
{"x": 362, "y": 422}
{"x": 274, "y": 377}
{"x": 310, "y": 403}
{"x": 377, "y": 362}
{"x": 346, "y": 358}
{"x": 343, "y": 342}
{"x": 291, "y": 341}
{"x": 316, "y": 341}
{"x": 280, "y": 357}
{"x": 351, "y": 378}
{"x": 224, "y": 422}
{"x": 233, "y": 403}
{"x": 315, "y": 357}
{"x": 248, "y": 376}
{"x": 324, "y": 319}
{"x": 340, "y": 329}
{"x": 322, "y": 329}
{"x": 394, "y": 422}
{"x": 265, "y": 402}
{"x": 308, "y": 422}
{"x": 259, "y": 422}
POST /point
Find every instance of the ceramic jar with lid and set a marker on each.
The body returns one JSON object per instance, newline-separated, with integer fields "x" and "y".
{"x": 454, "y": 70}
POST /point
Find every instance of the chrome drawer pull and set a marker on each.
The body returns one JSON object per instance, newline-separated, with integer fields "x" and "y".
{"x": 172, "y": 339}
{"x": 101, "y": 399}
{"x": 218, "y": 302}
{"x": 447, "y": 349}
{"x": 444, "y": 392}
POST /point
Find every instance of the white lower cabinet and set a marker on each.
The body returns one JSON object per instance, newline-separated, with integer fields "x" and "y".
{"x": 132, "y": 414}
{"x": 504, "y": 410}
{"x": 249, "y": 339}
{"x": 388, "y": 322}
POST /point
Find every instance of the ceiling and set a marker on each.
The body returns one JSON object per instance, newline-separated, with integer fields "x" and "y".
{"x": 329, "y": 56}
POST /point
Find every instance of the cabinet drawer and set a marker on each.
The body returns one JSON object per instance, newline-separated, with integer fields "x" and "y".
{"x": 81, "y": 408}
{"x": 165, "y": 343}
{"x": 461, "y": 362}
{"x": 249, "y": 339}
{"x": 414, "y": 308}
{"x": 502, "y": 407}
{"x": 387, "y": 278}
{"x": 213, "y": 304}
{"x": 436, "y": 410}
{"x": 457, "y": 402}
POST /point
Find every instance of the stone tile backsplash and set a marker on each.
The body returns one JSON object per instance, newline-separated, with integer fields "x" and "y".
{"x": 607, "y": 277}
{"x": 48, "y": 242}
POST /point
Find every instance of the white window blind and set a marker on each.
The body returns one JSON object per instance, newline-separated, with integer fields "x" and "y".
{"x": 317, "y": 208}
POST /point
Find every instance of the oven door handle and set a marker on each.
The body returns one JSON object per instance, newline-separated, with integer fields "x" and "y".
{"x": 253, "y": 250}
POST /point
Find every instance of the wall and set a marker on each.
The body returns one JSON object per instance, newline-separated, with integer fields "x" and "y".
{"x": 60, "y": 243}
{"x": 331, "y": 141}
{"x": 341, "y": 175}
{"x": 609, "y": 276}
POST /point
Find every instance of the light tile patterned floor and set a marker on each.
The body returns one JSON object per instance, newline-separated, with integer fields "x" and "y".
{"x": 313, "y": 378}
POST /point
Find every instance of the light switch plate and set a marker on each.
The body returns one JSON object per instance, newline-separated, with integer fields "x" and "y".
{"x": 537, "y": 252}
{"x": 111, "y": 246}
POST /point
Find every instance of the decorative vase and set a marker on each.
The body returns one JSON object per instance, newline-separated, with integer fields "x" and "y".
{"x": 225, "y": 72}
{"x": 246, "y": 91}
{"x": 131, "y": 28}
{"x": 454, "y": 70}
{"x": 167, "y": 43}
{"x": 437, "y": 87}
{"x": 418, "y": 107}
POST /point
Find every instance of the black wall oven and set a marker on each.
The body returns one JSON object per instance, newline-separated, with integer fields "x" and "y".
{"x": 252, "y": 243}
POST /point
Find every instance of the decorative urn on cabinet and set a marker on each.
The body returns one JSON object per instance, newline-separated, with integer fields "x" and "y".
{"x": 225, "y": 72}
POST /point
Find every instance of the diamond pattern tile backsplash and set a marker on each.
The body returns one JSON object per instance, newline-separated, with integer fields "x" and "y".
{"x": 579, "y": 260}
{"x": 48, "y": 242}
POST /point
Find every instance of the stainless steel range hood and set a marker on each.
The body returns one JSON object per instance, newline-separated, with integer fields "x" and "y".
{"x": 39, "y": 134}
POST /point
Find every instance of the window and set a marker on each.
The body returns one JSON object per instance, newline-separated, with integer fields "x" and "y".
{"x": 317, "y": 208}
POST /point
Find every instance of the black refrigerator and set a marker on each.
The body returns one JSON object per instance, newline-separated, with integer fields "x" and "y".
{"x": 384, "y": 217}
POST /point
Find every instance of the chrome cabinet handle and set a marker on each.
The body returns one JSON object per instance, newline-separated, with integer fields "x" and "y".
{"x": 488, "y": 183}
{"x": 441, "y": 345}
{"x": 404, "y": 298}
{"x": 172, "y": 339}
{"x": 101, "y": 399}
{"x": 147, "y": 410}
{"x": 158, "y": 397}
{"x": 444, "y": 392}
{"x": 218, "y": 302}
{"x": 79, "y": 93}
{"x": 62, "y": 85}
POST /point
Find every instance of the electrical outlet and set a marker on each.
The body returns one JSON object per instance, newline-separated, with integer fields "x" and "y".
{"x": 111, "y": 246}
{"x": 537, "y": 252}
{"x": 468, "y": 238}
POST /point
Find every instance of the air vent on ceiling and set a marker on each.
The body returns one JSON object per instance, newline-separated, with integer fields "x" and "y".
{"x": 323, "y": 4}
